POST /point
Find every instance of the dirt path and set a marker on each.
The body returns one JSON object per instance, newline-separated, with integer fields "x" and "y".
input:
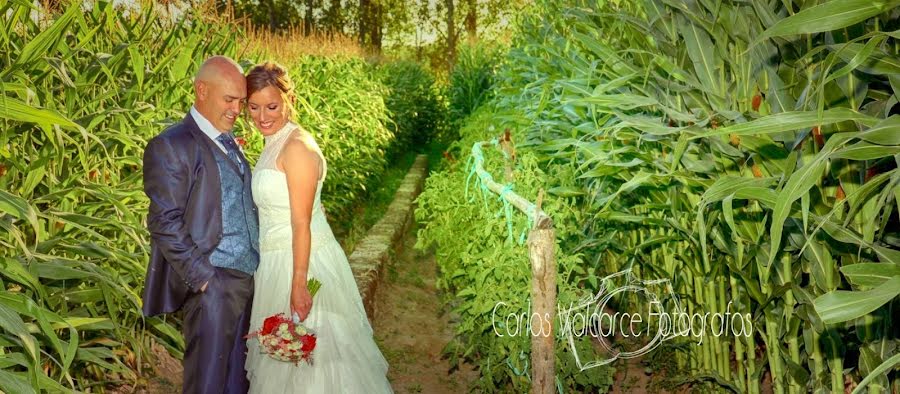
{"x": 411, "y": 329}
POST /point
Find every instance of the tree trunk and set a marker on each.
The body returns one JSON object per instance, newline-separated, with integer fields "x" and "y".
{"x": 363, "y": 31}
{"x": 272, "y": 17}
{"x": 334, "y": 18}
{"x": 377, "y": 21}
{"x": 471, "y": 20}
{"x": 451, "y": 34}
{"x": 308, "y": 23}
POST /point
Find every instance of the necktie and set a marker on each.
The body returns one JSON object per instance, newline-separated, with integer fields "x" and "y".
{"x": 227, "y": 139}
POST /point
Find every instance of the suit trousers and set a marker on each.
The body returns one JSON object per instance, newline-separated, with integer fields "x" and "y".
{"x": 214, "y": 325}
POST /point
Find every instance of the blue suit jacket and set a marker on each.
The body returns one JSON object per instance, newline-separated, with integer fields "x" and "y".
{"x": 185, "y": 219}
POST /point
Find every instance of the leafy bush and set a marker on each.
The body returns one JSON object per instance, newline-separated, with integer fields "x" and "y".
{"x": 417, "y": 111}
{"x": 482, "y": 263}
{"x": 471, "y": 78}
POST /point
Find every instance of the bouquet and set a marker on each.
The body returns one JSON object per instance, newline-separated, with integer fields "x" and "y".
{"x": 286, "y": 339}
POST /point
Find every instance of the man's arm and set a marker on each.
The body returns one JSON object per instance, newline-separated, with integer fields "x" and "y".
{"x": 166, "y": 184}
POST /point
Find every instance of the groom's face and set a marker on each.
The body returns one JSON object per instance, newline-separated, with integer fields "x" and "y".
{"x": 220, "y": 100}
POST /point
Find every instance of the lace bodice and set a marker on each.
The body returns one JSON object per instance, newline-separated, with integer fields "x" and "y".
{"x": 275, "y": 143}
{"x": 270, "y": 193}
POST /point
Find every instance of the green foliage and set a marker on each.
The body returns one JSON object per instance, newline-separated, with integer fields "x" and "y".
{"x": 82, "y": 92}
{"x": 342, "y": 103}
{"x": 377, "y": 203}
{"x": 73, "y": 254}
{"x": 270, "y": 14}
{"x": 416, "y": 107}
{"x": 471, "y": 79}
{"x": 481, "y": 263}
{"x": 760, "y": 170}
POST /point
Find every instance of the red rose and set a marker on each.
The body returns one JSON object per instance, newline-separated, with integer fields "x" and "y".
{"x": 270, "y": 324}
{"x": 240, "y": 141}
{"x": 308, "y": 343}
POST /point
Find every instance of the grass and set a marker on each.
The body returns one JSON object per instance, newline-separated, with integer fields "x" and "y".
{"x": 370, "y": 210}
{"x": 293, "y": 43}
{"x": 413, "y": 278}
{"x": 435, "y": 151}
{"x": 286, "y": 45}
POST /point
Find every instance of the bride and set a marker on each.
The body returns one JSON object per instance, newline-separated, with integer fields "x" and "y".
{"x": 296, "y": 244}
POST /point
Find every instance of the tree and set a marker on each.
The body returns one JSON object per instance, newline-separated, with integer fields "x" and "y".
{"x": 371, "y": 24}
{"x": 309, "y": 22}
{"x": 436, "y": 25}
{"x": 376, "y": 26}
{"x": 449, "y": 20}
{"x": 333, "y": 19}
{"x": 451, "y": 33}
{"x": 271, "y": 14}
{"x": 471, "y": 20}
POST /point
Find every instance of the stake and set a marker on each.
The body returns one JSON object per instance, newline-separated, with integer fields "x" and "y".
{"x": 541, "y": 245}
{"x": 542, "y": 249}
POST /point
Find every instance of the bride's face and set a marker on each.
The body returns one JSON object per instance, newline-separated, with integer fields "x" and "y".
{"x": 268, "y": 110}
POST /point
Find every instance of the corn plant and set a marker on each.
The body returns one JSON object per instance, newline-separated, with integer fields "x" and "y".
{"x": 417, "y": 109}
{"x": 747, "y": 152}
{"x": 77, "y": 106}
{"x": 82, "y": 89}
{"x": 471, "y": 78}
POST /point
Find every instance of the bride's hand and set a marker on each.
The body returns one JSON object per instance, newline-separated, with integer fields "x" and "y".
{"x": 301, "y": 301}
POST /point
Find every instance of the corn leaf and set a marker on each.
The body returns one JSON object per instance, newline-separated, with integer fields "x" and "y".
{"x": 870, "y": 274}
{"x": 841, "y": 305}
{"x": 835, "y": 14}
{"x": 789, "y": 121}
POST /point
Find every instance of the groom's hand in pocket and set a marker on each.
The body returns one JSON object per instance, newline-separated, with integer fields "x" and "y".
{"x": 301, "y": 301}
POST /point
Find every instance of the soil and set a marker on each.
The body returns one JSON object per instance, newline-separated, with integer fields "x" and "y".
{"x": 166, "y": 376}
{"x": 412, "y": 329}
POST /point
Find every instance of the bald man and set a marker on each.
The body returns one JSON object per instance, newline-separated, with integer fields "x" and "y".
{"x": 204, "y": 231}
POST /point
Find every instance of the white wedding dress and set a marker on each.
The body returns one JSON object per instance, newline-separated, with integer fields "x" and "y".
{"x": 346, "y": 358}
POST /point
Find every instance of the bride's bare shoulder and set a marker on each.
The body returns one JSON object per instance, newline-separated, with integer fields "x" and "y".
{"x": 301, "y": 149}
{"x": 303, "y": 138}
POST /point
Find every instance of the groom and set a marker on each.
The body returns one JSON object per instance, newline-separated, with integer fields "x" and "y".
{"x": 204, "y": 241}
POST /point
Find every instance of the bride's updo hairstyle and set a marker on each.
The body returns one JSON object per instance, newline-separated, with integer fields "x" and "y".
{"x": 273, "y": 74}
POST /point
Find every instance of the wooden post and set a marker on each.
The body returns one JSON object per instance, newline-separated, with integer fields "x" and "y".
{"x": 541, "y": 245}
{"x": 542, "y": 252}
